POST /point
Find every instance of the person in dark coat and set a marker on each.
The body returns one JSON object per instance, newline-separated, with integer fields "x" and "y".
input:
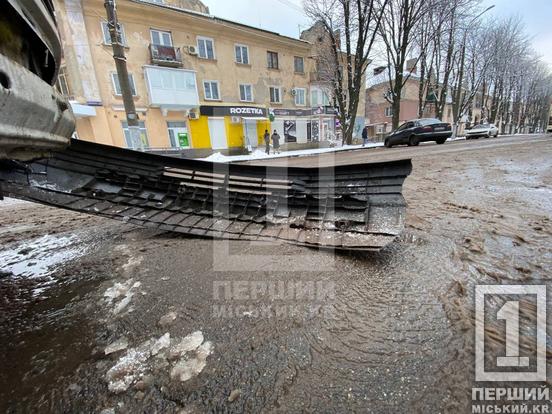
{"x": 267, "y": 141}
{"x": 364, "y": 136}
{"x": 276, "y": 142}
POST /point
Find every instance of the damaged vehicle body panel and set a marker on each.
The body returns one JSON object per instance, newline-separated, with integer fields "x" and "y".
{"x": 353, "y": 207}
{"x": 34, "y": 118}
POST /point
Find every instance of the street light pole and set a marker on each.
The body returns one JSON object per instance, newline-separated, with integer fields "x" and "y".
{"x": 122, "y": 74}
{"x": 456, "y": 103}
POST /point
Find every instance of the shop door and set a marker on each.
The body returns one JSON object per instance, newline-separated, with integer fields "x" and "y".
{"x": 250, "y": 133}
{"x": 217, "y": 132}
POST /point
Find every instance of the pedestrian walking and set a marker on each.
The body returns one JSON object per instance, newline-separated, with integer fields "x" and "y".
{"x": 364, "y": 136}
{"x": 267, "y": 141}
{"x": 276, "y": 142}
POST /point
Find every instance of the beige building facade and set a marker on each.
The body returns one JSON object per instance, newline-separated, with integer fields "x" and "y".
{"x": 200, "y": 83}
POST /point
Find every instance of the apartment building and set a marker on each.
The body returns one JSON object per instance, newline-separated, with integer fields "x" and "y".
{"x": 200, "y": 83}
{"x": 379, "y": 111}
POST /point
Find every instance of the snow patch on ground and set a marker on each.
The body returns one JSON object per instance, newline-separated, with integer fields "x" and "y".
{"x": 123, "y": 291}
{"x": 41, "y": 256}
{"x": 259, "y": 154}
{"x": 116, "y": 346}
{"x": 9, "y": 202}
{"x": 188, "y": 357}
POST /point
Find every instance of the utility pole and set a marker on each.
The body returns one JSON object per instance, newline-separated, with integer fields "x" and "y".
{"x": 122, "y": 73}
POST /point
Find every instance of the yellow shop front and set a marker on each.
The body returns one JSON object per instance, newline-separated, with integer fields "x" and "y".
{"x": 229, "y": 128}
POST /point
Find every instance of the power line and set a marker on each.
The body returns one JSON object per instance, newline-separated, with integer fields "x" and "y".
{"x": 291, "y": 5}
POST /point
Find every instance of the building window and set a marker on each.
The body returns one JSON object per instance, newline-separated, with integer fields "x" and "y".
{"x": 319, "y": 98}
{"x": 275, "y": 94}
{"x": 379, "y": 129}
{"x": 61, "y": 84}
{"x": 300, "y": 96}
{"x": 299, "y": 64}
{"x": 143, "y": 136}
{"x": 107, "y": 35}
{"x": 211, "y": 90}
{"x": 117, "y": 85}
{"x": 178, "y": 134}
{"x": 242, "y": 54}
{"x": 246, "y": 93}
{"x": 272, "y": 60}
{"x": 161, "y": 38}
{"x": 389, "y": 112}
{"x": 206, "y": 48}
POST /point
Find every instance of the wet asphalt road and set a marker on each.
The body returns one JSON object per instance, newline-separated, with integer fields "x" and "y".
{"x": 257, "y": 327}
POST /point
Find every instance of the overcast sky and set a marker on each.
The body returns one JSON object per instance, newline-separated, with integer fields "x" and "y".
{"x": 285, "y": 17}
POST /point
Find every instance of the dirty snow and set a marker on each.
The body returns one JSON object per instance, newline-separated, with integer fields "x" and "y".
{"x": 188, "y": 368}
{"x": 116, "y": 346}
{"x": 9, "y": 202}
{"x": 125, "y": 290}
{"x": 40, "y": 256}
{"x": 190, "y": 352}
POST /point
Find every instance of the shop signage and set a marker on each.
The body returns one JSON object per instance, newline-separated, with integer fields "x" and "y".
{"x": 183, "y": 139}
{"x": 243, "y": 111}
{"x": 319, "y": 110}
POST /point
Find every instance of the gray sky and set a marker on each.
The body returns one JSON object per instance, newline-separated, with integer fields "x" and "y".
{"x": 282, "y": 16}
{"x": 285, "y": 17}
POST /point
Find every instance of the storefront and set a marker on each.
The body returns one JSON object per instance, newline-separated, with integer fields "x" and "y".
{"x": 304, "y": 125}
{"x": 231, "y": 126}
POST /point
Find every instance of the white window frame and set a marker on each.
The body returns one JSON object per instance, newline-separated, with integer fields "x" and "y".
{"x": 389, "y": 111}
{"x": 303, "y": 64}
{"x": 210, "y": 82}
{"x": 107, "y": 40}
{"x": 161, "y": 37}
{"x": 61, "y": 84}
{"x": 241, "y": 47}
{"x": 304, "y": 90}
{"x": 279, "y": 94}
{"x": 203, "y": 38}
{"x": 114, "y": 85}
{"x": 315, "y": 101}
{"x": 251, "y": 92}
{"x": 143, "y": 130}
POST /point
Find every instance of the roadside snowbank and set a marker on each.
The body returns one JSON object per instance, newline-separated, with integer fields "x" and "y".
{"x": 260, "y": 154}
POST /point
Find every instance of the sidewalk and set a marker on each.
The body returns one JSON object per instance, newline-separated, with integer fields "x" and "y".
{"x": 260, "y": 154}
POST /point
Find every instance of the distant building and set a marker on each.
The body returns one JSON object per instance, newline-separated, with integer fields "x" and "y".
{"x": 201, "y": 83}
{"x": 379, "y": 111}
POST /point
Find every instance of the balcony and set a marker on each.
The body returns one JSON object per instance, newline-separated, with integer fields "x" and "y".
{"x": 171, "y": 89}
{"x": 165, "y": 56}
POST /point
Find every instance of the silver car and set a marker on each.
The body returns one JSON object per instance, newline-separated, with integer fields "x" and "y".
{"x": 482, "y": 130}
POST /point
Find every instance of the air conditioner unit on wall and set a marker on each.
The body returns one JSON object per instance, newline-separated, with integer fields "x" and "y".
{"x": 191, "y": 49}
{"x": 293, "y": 92}
{"x": 193, "y": 115}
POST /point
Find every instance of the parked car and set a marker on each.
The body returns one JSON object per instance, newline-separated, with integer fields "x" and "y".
{"x": 482, "y": 130}
{"x": 419, "y": 130}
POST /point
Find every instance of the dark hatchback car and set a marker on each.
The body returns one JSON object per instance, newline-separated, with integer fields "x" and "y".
{"x": 419, "y": 130}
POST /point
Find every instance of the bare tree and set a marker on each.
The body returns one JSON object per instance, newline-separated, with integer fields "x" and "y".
{"x": 349, "y": 31}
{"x": 400, "y": 26}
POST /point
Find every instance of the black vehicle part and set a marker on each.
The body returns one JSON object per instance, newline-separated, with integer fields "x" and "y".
{"x": 353, "y": 207}
{"x": 413, "y": 141}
